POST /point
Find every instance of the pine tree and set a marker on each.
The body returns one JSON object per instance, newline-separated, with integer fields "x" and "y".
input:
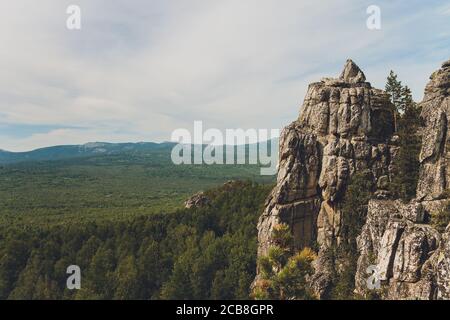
{"x": 407, "y": 124}
{"x": 354, "y": 208}
{"x": 26, "y": 284}
{"x": 353, "y": 212}
{"x": 99, "y": 276}
{"x": 405, "y": 182}
{"x": 126, "y": 279}
{"x": 406, "y": 99}
{"x": 394, "y": 89}
{"x": 284, "y": 273}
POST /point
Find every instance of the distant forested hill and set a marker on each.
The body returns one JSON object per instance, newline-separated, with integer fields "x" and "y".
{"x": 85, "y": 150}
{"x": 90, "y": 149}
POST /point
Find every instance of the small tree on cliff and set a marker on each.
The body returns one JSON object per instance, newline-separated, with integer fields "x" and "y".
{"x": 354, "y": 208}
{"x": 407, "y": 124}
{"x": 400, "y": 95}
{"x": 354, "y": 212}
{"x": 394, "y": 89}
{"x": 404, "y": 184}
{"x": 283, "y": 273}
{"x": 406, "y": 100}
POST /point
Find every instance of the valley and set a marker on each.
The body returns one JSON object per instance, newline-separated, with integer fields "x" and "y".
{"x": 115, "y": 185}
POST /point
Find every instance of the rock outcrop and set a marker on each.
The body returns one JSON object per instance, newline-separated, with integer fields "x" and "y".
{"x": 413, "y": 258}
{"x": 346, "y": 126}
{"x": 435, "y": 154}
{"x": 337, "y": 134}
{"x": 397, "y": 241}
{"x": 197, "y": 200}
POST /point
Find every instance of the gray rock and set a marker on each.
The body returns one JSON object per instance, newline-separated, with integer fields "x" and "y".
{"x": 330, "y": 141}
{"x": 383, "y": 183}
{"x": 401, "y": 249}
{"x": 413, "y": 211}
{"x": 352, "y": 73}
{"x": 434, "y": 177}
{"x": 198, "y": 200}
{"x": 336, "y": 136}
{"x": 388, "y": 248}
{"x": 414, "y": 263}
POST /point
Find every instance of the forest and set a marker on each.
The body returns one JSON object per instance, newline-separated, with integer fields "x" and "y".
{"x": 198, "y": 253}
{"x": 120, "y": 217}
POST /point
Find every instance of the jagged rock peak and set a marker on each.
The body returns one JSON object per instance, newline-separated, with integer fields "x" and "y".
{"x": 336, "y": 134}
{"x": 352, "y": 73}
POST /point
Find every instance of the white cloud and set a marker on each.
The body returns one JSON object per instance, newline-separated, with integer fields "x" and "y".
{"x": 139, "y": 69}
{"x": 445, "y": 10}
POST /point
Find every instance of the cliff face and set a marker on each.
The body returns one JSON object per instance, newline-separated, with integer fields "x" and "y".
{"x": 435, "y": 154}
{"x": 346, "y": 126}
{"x": 414, "y": 258}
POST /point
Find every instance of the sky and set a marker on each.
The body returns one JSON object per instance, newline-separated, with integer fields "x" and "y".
{"x": 137, "y": 70}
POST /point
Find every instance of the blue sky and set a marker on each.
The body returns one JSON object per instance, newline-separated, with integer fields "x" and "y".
{"x": 139, "y": 69}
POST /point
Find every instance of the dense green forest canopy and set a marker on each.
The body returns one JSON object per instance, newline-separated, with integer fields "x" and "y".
{"x": 198, "y": 253}
{"x": 115, "y": 187}
{"x": 120, "y": 217}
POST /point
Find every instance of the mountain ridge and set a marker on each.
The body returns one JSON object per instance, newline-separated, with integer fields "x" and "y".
{"x": 60, "y": 152}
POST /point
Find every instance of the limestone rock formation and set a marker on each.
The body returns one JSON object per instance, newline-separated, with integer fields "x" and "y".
{"x": 346, "y": 126}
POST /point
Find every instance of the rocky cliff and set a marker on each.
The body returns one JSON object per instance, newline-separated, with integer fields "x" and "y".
{"x": 346, "y": 126}
{"x": 413, "y": 258}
